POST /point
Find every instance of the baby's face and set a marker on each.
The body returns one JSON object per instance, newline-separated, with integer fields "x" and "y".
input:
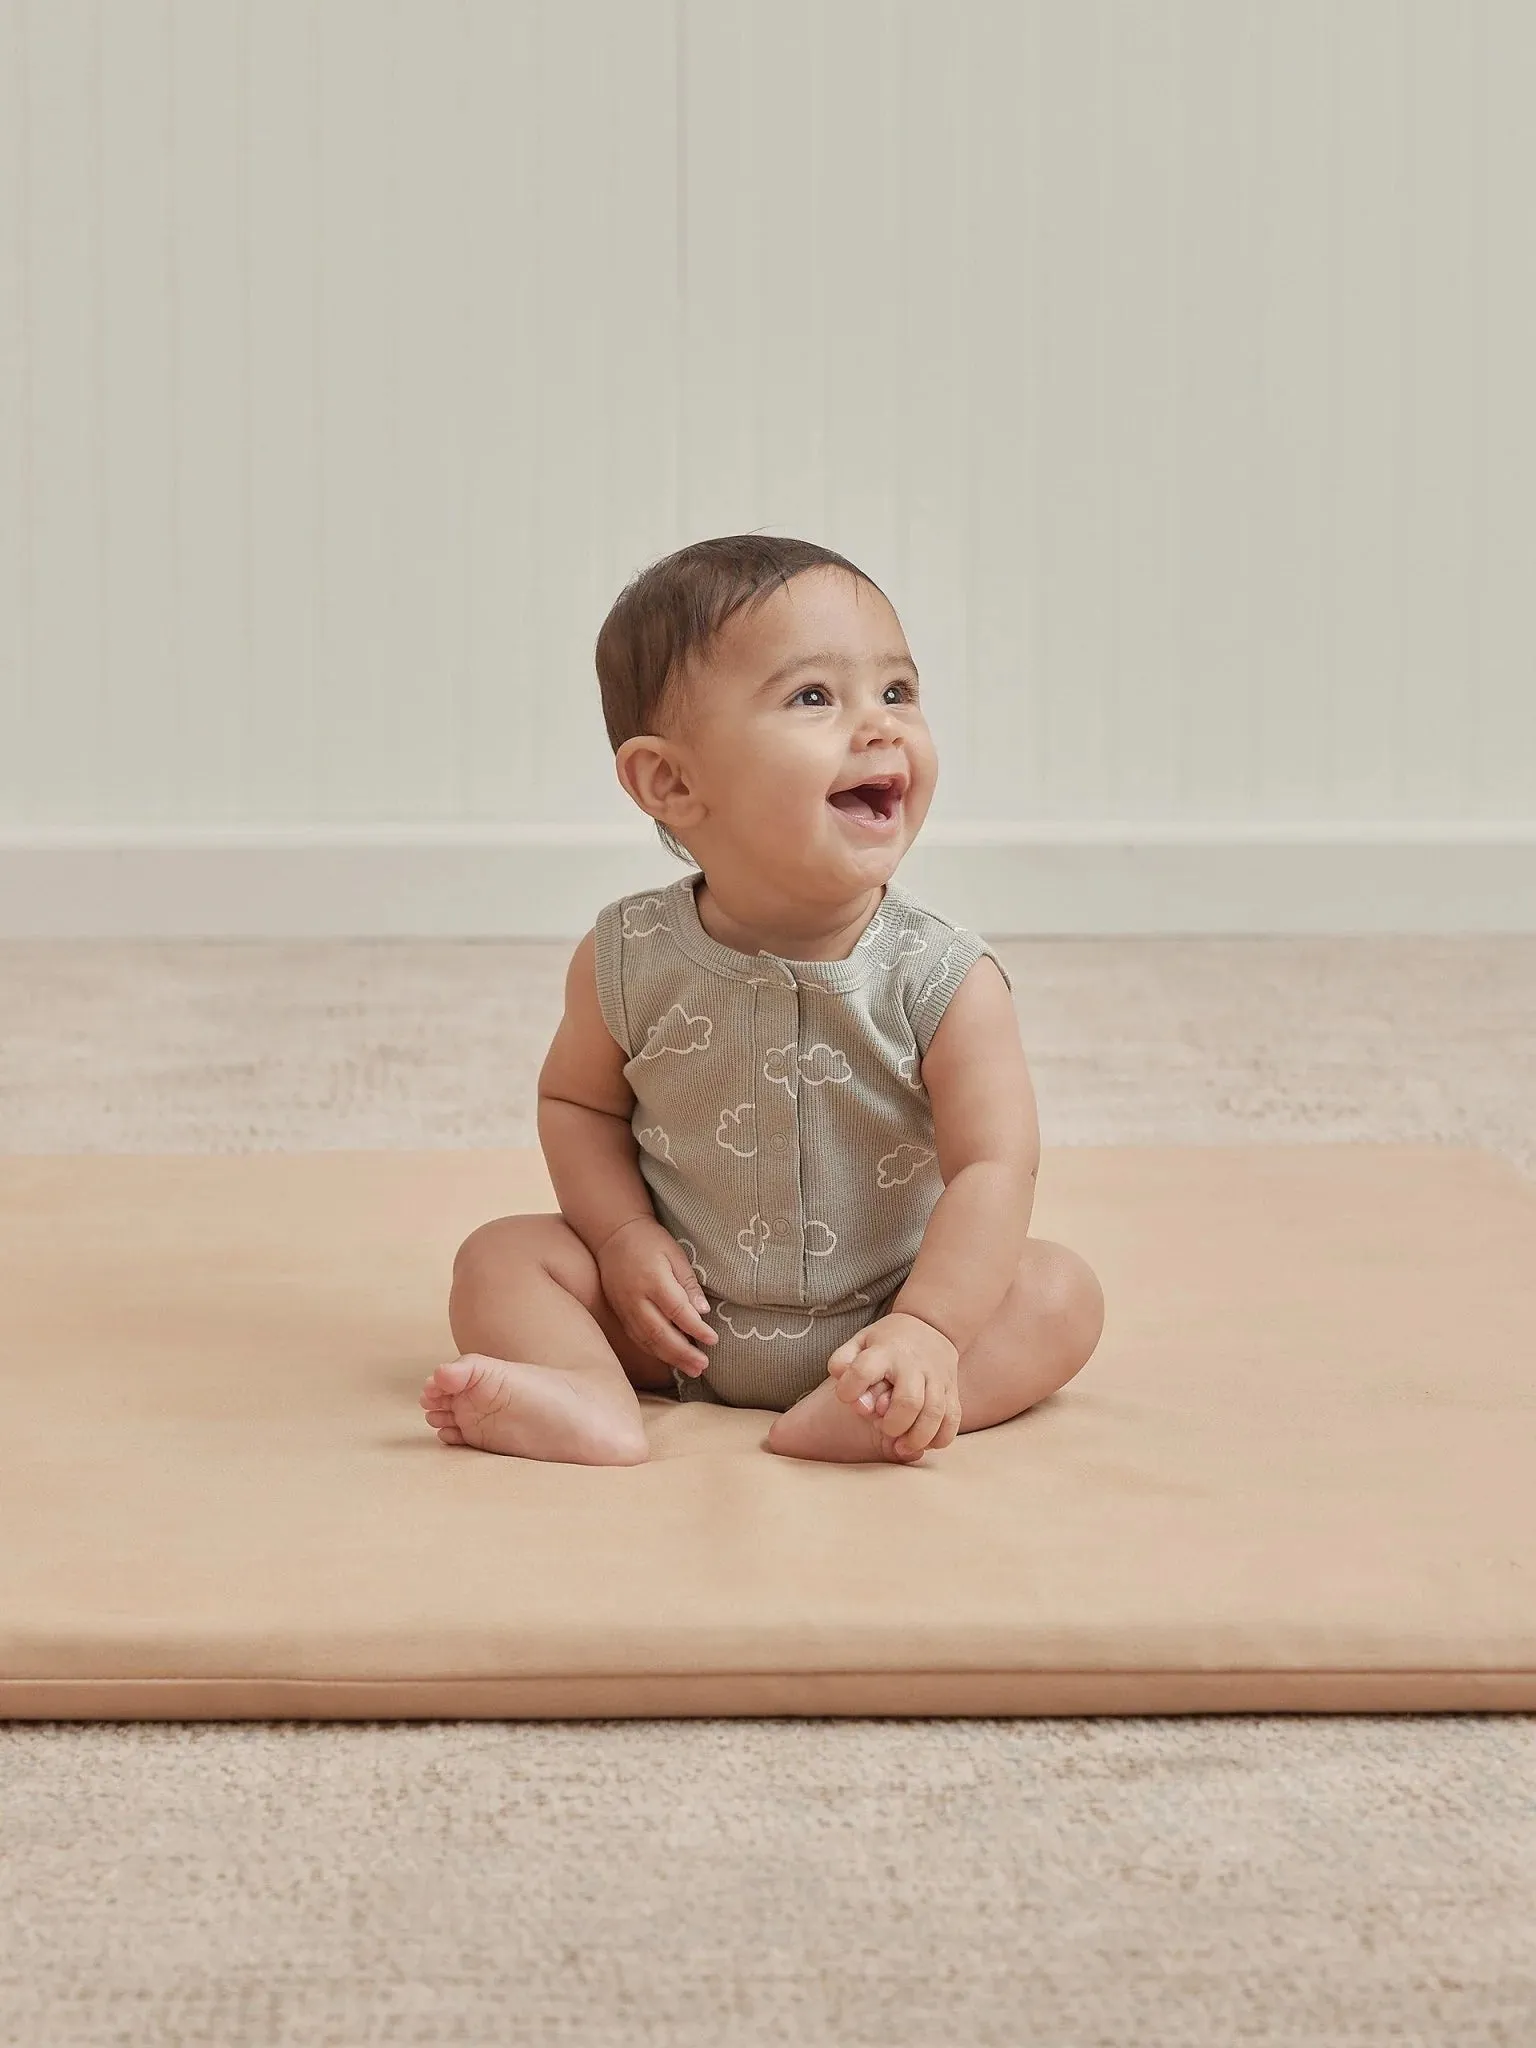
{"x": 810, "y": 693}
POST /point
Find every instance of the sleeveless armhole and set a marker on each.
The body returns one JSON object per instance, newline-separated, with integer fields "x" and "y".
{"x": 608, "y": 966}
{"x": 931, "y": 996}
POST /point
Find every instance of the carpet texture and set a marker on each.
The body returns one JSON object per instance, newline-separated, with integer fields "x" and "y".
{"x": 1305, "y": 1883}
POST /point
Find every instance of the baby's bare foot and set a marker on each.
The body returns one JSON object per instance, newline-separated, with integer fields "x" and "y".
{"x": 528, "y": 1411}
{"x": 822, "y": 1426}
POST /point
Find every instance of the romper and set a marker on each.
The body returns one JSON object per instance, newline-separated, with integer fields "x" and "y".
{"x": 785, "y": 1134}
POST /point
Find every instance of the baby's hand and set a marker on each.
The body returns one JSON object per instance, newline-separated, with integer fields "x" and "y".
{"x": 655, "y": 1293}
{"x": 920, "y": 1366}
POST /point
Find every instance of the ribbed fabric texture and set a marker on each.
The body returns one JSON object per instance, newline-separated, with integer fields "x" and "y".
{"x": 783, "y": 1128}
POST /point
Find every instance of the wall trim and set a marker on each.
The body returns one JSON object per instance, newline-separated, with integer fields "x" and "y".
{"x": 1063, "y": 877}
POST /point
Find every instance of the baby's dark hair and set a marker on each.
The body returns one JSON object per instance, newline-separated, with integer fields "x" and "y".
{"x": 670, "y": 613}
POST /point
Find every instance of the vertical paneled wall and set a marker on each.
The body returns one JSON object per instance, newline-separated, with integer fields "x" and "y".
{"x": 1170, "y": 365}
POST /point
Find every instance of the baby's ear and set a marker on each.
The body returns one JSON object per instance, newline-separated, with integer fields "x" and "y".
{"x": 651, "y": 775}
{"x": 646, "y": 769}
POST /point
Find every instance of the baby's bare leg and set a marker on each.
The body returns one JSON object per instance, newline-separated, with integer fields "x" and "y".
{"x": 546, "y": 1371}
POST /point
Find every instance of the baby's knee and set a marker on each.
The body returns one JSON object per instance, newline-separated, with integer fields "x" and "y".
{"x": 509, "y": 1245}
{"x": 1069, "y": 1297}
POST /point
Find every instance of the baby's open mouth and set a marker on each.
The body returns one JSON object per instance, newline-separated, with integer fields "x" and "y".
{"x": 872, "y": 803}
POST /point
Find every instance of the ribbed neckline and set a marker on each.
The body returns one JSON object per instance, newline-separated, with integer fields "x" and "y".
{"x": 698, "y": 944}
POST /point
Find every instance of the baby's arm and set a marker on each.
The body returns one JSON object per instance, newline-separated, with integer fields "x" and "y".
{"x": 987, "y": 1132}
{"x": 585, "y": 1106}
{"x": 585, "y": 1110}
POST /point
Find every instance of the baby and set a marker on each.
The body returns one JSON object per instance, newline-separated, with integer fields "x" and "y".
{"x": 786, "y": 1113}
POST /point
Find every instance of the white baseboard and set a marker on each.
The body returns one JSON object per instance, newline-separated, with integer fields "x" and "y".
{"x": 548, "y": 881}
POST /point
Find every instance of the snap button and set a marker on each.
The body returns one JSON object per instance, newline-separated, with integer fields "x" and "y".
{"x": 779, "y": 1141}
{"x": 781, "y": 1224}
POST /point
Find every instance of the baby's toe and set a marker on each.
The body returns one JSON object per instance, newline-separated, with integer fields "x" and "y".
{"x": 450, "y": 1379}
{"x": 438, "y": 1396}
{"x": 441, "y": 1392}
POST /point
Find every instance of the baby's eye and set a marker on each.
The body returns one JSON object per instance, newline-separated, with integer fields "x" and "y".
{"x": 903, "y": 687}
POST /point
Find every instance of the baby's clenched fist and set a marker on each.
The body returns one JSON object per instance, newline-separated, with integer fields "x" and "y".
{"x": 923, "y": 1369}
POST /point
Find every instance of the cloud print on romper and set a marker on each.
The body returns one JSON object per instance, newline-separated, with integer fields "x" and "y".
{"x": 733, "y": 1132}
{"x": 754, "y": 1237}
{"x": 642, "y": 918}
{"x": 898, "y": 1167}
{"x": 762, "y": 1324}
{"x": 907, "y": 947}
{"x": 675, "y": 1031}
{"x": 818, "y": 1063}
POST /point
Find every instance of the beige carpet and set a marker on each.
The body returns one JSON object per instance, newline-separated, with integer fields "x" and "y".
{"x": 1318, "y": 1882}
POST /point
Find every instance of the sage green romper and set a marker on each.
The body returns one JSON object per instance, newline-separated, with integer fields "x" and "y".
{"x": 784, "y": 1130}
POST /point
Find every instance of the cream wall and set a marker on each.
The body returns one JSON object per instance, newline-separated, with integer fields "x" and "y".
{"x": 1169, "y": 364}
